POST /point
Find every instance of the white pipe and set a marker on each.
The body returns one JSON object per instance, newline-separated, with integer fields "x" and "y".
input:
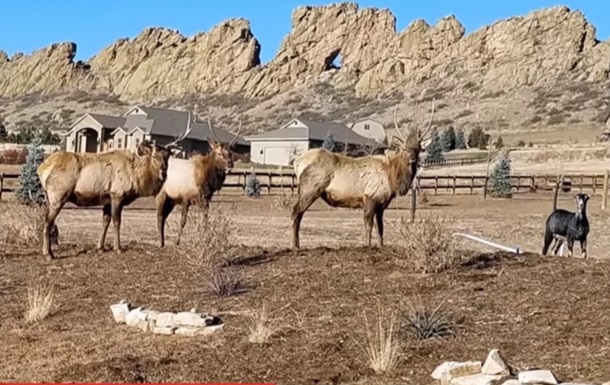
{"x": 489, "y": 243}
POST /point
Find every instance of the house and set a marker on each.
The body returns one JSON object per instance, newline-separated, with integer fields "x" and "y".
{"x": 98, "y": 133}
{"x": 279, "y": 147}
{"x": 370, "y": 129}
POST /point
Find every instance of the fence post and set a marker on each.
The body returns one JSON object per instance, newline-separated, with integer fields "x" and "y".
{"x": 605, "y": 192}
{"x": 487, "y": 168}
{"x": 1, "y": 184}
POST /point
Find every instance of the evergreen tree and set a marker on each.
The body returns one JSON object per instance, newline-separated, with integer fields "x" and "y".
{"x": 460, "y": 140}
{"x": 3, "y": 132}
{"x": 448, "y": 139}
{"x": 329, "y": 143}
{"x": 499, "y": 142}
{"x": 478, "y": 139}
{"x": 253, "y": 185}
{"x": 30, "y": 189}
{"x": 500, "y": 178}
{"x": 435, "y": 148}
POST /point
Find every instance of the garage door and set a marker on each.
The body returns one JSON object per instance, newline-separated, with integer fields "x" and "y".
{"x": 277, "y": 155}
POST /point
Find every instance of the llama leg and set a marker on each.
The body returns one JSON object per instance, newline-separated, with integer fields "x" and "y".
{"x": 570, "y": 246}
{"x": 583, "y": 248}
{"x": 106, "y": 217}
{"x": 185, "y": 214}
{"x": 379, "y": 219}
{"x": 548, "y": 239}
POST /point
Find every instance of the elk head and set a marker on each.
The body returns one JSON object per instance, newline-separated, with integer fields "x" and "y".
{"x": 222, "y": 151}
{"x": 411, "y": 146}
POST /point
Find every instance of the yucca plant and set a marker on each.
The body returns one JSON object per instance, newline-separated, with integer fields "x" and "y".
{"x": 424, "y": 322}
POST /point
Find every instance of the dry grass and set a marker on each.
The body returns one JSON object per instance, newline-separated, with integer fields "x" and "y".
{"x": 20, "y": 224}
{"x": 382, "y": 344}
{"x": 262, "y": 326}
{"x": 283, "y": 202}
{"x": 225, "y": 283}
{"x": 41, "y": 301}
{"x": 429, "y": 243}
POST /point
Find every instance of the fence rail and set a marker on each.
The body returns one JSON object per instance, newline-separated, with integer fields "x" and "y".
{"x": 437, "y": 184}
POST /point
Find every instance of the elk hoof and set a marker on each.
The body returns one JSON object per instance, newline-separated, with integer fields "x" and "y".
{"x": 49, "y": 257}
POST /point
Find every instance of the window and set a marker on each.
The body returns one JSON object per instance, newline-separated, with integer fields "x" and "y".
{"x": 367, "y": 126}
{"x": 119, "y": 143}
{"x": 110, "y": 144}
{"x": 137, "y": 142}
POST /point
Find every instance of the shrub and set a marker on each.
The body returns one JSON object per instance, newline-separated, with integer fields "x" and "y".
{"x": 21, "y": 225}
{"x": 282, "y": 202}
{"x": 253, "y": 185}
{"x": 14, "y": 156}
{"x": 499, "y": 142}
{"x": 500, "y": 178}
{"x": 521, "y": 143}
{"x": 3, "y": 132}
{"x": 429, "y": 244}
{"x": 478, "y": 139}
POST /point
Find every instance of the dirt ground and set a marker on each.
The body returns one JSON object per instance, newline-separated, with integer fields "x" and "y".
{"x": 539, "y": 311}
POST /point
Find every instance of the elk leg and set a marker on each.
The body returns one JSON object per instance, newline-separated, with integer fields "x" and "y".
{"x": 298, "y": 211}
{"x": 164, "y": 208}
{"x": 106, "y": 216}
{"x": 548, "y": 239}
{"x": 117, "y": 209}
{"x": 583, "y": 248}
{"x": 369, "y": 213}
{"x": 185, "y": 214}
{"x": 51, "y": 213}
{"x": 379, "y": 220}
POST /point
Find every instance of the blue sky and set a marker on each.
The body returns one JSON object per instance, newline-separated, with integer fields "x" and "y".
{"x": 26, "y": 26}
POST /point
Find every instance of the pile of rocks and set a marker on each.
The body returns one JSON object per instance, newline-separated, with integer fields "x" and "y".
{"x": 494, "y": 371}
{"x": 182, "y": 323}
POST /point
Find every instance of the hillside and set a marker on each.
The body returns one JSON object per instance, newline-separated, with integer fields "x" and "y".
{"x": 542, "y": 70}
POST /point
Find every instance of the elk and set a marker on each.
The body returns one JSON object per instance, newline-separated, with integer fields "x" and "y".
{"x": 112, "y": 179}
{"x": 370, "y": 182}
{"x": 194, "y": 181}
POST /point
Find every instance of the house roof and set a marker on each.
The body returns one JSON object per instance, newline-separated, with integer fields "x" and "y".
{"x": 314, "y": 130}
{"x": 165, "y": 122}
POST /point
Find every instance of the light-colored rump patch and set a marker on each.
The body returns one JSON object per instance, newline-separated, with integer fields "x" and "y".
{"x": 180, "y": 177}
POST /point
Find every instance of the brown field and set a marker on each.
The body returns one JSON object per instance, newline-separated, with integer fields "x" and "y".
{"x": 539, "y": 311}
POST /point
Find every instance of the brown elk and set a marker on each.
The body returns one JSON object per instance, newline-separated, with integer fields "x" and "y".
{"x": 370, "y": 182}
{"x": 112, "y": 179}
{"x": 194, "y": 181}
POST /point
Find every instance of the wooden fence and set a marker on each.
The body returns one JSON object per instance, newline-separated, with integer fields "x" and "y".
{"x": 273, "y": 180}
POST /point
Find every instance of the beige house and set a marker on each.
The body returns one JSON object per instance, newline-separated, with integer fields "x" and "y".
{"x": 98, "y": 133}
{"x": 370, "y": 129}
{"x": 279, "y": 147}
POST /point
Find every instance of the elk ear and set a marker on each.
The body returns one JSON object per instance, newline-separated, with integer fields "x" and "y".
{"x": 145, "y": 148}
{"x": 397, "y": 142}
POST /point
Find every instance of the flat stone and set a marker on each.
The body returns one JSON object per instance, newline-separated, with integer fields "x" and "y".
{"x": 537, "y": 377}
{"x": 189, "y": 319}
{"x": 396, "y": 275}
{"x": 135, "y": 316}
{"x": 575, "y": 383}
{"x": 145, "y": 325}
{"x": 477, "y": 379}
{"x": 495, "y": 364}
{"x": 119, "y": 311}
{"x": 164, "y": 330}
{"x": 165, "y": 319}
{"x": 511, "y": 382}
{"x": 152, "y": 315}
{"x": 451, "y": 369}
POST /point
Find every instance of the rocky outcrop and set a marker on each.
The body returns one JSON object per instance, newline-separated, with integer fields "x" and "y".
{"x": 540, "y": 48}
